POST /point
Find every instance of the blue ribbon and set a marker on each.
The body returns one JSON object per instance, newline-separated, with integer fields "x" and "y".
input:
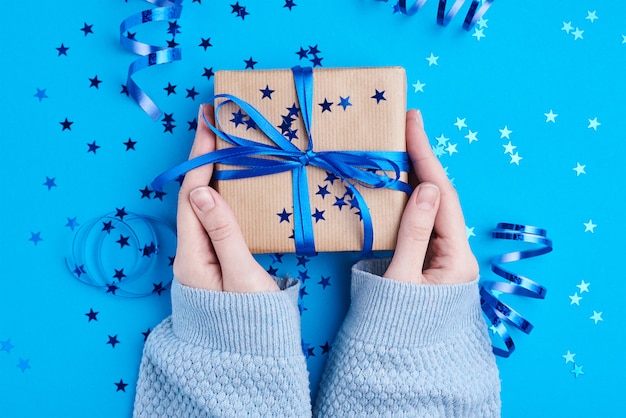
{"x": 353, "y": 167}
{"x": 497, "y": 311}
{"x": 150, "y": 54}
{"x": 476, "y": 10}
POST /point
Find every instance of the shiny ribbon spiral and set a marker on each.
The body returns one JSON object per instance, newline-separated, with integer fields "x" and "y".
{"x": 476, "y": 11}
{"x": 123, "y": 253}
{"x": 150, "y": 54}
{"x": 365, "y": 168}
{"x": 497, "y": 312}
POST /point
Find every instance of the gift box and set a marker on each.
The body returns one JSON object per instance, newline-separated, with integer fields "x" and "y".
{"x": 352, "y": 109}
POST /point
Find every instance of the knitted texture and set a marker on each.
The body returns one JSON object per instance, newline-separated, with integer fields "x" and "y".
{"x": 410, "y": 350}
{"x": 403, "y": 350}
{"x": 225, "y": 354}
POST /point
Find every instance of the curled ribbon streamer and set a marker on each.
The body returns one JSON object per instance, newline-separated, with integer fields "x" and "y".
{"x": 473, "y": 14}
{"x": 126, "y": 267}
{"x": 150, "y": 54}
{"x": 352, "y": 167}
{"x": 497, "y": 311}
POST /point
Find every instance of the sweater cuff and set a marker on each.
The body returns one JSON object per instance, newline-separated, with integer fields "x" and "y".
{"x": 399, "y": 314}
{"x": 263, "y": 323}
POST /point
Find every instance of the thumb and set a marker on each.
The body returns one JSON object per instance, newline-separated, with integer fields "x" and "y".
{"x": 414, "y": 234}
{"x": 240, "y": 271}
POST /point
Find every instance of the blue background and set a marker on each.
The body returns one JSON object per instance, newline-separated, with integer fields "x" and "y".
{"x": 55, "y": 362}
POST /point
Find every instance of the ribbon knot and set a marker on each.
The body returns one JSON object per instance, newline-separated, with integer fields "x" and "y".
{"x": 351, "y": 167}
{"x": 306, "y": 157}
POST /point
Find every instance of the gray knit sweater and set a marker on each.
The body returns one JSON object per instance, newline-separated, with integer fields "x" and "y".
{"x": 403, "y": 350}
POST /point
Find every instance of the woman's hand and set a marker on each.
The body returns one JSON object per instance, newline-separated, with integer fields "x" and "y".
{"x": 432, "y": 246}
{"x": 211, "y": 252}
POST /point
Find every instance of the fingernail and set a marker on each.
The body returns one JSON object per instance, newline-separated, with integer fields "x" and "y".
{"x": 202, "y": 198}
{"x": 426, "y": 196}
{"x": 419, "y": 119}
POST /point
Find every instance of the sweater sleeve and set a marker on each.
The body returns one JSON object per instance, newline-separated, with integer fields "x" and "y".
{"x": 225, "y": 354}
{"x": 410, "y": 350}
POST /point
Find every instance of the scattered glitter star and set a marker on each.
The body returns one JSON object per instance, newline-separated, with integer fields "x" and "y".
{"x": 596, "y": 317}
{"x": 577, "y": 370}
{"x": 578, "y": 34}
{"x": 579, "y": 169}
{"x": 191, "y": 93}
{"x": 121, "y": 386}
{"x": 93, "y": 147}
{"x": 87, "y": 29}
{"x": 509, "y": 148}
{"x": 94, "y": 82}
{"x": 289, "y": 4}
{"x": 324, "y": 282}
{"x": 451, "y": 148}
{"x": 418, "y": 86}
{"x": 584, "y": 287}
{"x": 326, "y": 105}
{"x": 318, "y": 215}
{"x": 432, "y": 59}
{"x": 250, "y": 63}
{"x": 130, "y": 144}
{"x": 41, "y": 94}
{"x": 575, "y": 299}
{"x": 208, "y": 72}
{"x": 589, "y": 226}
{"x": 66, "y": 125}
{"x": 62, "y": 50}
{"x": 469, "y": 232}
{"x": 6, "y": 346}
{"x": 482, "y": 23}
{"x": 50, "y": 182}
{"x": 72, "y": 223}
{"x": 471, "y": 136}
{"x": 379, "y": 96}
{"x": 93, "y": 316}
{"x": 442, "y": 140}
{"x": 23, "y": 364}
{"x": 567, "y": 27}
{"x": 267, "y": 92}
{"x": 593, "y": 124}
{"x": 344, "y": 102}
{"x": 205, "y": 43}
{"x": 569, "y": 357}
{"x": 35, "y": 237}
{"x": 591, "y": 16}
{"x": 478, "y": 34}
{"x": 505, "y": 132}
{"x": 113, "y": 340}
{"x": 515, "y": 159}
{"x": 460, "y": 123}
{"x": 551, "y": 116}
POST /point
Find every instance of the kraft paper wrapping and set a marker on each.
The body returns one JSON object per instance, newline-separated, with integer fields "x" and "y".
{"x": 367, "y": 113}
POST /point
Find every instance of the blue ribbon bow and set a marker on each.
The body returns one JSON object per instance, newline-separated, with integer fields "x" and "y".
{"x": 365, "y": 168}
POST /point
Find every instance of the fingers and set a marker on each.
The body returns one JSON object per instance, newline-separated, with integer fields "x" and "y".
{"x": 427, "y": 168}
{"x": 194, "y": 246}
{"x": 192, "y": 238}
{"x": 240, "y": 271}
{"x": 414, "y": 234}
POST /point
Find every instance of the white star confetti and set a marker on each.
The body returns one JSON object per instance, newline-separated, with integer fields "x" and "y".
{"x": 478, "y": 34}
{"x": 505, "y": 132}
{"x": 432, "y": 60}
{"x": 569, "y": 357}
{"x": 551, "y": 116}
{"x": 578, "y": 34}
{"x": 575, "y": 299}
{"x": 589, "y": 226}
{"x": 579, "y": 169}
{"x": 509, "y": 148}
{"x": 471, "y": 136}
{"x": 567, "y": 27}
{"x": 583, "y": 287}
{"x": 593, "y": 124}
{"x": 596, "y": 317}
{"x": 460, "y": 123}
{"x": 515, "y": 158}
{"x": 418, "y": 86}
{"x": 591, "y": 16}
